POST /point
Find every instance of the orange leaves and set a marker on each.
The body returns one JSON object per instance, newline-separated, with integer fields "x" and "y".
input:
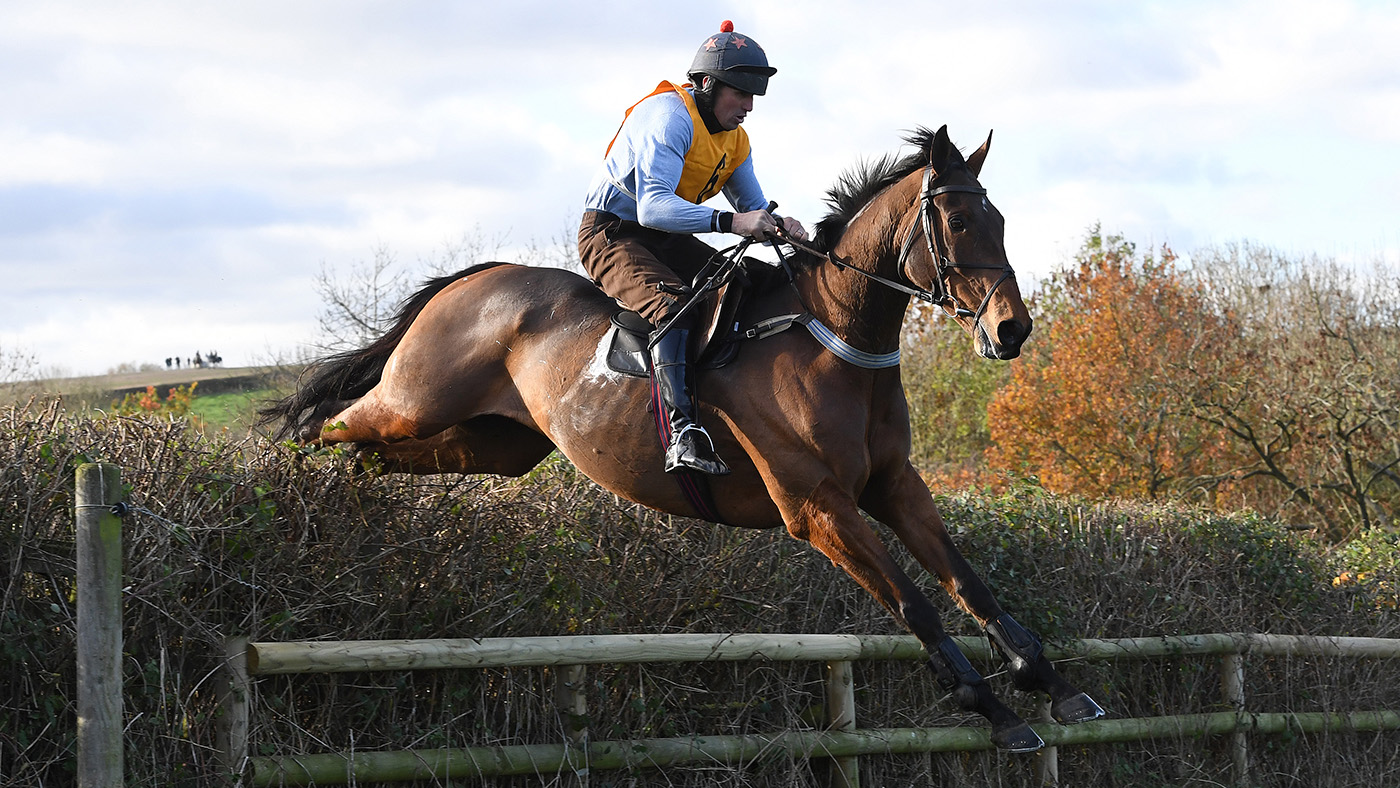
{"x": 176, "y": 402}
{"x": 1095, "y": 409}
{"x": 1249, "y": 381}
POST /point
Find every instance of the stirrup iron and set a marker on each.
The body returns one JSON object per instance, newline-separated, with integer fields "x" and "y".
{"x": 689, "y": 450}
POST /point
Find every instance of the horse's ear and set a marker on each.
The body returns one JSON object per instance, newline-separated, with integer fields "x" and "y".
{"x": 974, "y": 162}
{"x": 940, "y": 149}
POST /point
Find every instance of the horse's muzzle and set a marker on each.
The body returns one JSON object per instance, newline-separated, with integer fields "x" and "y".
{"x": 1011, "y": 334}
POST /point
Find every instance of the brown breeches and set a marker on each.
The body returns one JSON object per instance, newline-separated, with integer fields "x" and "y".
{"x": 648, "y": 271}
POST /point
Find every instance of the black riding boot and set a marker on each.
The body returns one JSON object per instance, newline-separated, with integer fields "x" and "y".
{"x": 690, "y": 444}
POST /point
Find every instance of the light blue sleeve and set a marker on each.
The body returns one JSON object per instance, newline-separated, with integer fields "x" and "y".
{"x": 653, "y": 140}
{"x": 638, "y": 179}
{"x": 659, "y": 163}
{"x": 742, "y": 190}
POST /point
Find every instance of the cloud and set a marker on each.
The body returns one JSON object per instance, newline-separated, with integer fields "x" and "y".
{"x": 215, "y": 156}
{"x": 42, "y": 208}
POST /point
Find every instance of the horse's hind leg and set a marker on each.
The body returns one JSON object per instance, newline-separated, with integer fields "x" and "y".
{"x": 373, "y": 419}
{"x": 485, "y": 444}
{"x": 907, "y": 507}
{"x": 406, "y": 441}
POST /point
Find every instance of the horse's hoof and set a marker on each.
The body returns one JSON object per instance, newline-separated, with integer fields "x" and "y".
{"x": 1076, "y": 708}
{"x": 1017, "y": 738}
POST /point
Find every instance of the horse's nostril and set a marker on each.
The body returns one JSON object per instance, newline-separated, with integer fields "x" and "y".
{"x": 1010, "y": 333}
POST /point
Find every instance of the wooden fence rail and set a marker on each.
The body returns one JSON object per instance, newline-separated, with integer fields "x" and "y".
{"x": 843, "y": 742}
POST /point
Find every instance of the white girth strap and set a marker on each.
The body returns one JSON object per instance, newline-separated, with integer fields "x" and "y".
{"x": 839, "y": 347}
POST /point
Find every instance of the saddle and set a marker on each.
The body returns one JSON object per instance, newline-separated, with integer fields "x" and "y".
{"x": 719, "y": 309}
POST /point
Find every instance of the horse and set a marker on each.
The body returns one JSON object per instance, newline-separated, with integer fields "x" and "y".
{"x": 489, "y": 370}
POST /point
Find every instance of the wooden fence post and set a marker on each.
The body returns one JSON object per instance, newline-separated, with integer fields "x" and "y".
{"x": 235, "y": 692}
{"x": 99, "y": 559}
{"x": 841, "y": 716}
{"x": 1047, "y": 761}
{"x": 1232, "y": 687}
{"x": 572, "y": 703}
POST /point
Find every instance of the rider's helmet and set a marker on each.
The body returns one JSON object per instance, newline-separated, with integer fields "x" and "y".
{"x": 734, "y": 59}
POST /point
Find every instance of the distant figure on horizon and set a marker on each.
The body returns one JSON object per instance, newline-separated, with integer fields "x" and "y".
{"x": 177, "y": 362}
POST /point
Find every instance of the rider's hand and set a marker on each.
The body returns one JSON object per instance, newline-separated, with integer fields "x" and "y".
{"x": 794, "y": 228}
{"x": 755, "y": 224}
{"x": 759, "y": 224}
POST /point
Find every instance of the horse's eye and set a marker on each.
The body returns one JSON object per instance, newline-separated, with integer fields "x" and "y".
{"x": 956, "y": 224}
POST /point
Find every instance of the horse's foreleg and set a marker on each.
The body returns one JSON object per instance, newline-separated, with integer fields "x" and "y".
{"x": 907, "y": 507}
{"x": 830, "y": 522}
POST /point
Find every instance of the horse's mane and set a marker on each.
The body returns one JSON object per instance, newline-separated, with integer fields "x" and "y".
{"x": 859, "y": 185}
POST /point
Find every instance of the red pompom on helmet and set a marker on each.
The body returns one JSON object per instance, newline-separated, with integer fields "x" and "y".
{"x": 734, "y": 59}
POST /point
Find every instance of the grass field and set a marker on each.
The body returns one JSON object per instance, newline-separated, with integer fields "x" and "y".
{"x": 234, "y": 411}
{"x": 224, "y": 399}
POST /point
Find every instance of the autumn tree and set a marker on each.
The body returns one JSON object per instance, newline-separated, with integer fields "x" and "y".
{"x": 1092, "y": 408}
{"x": 1245, "y": 380}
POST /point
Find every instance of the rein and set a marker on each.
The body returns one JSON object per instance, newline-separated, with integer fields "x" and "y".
{"x": 939, "y": 295}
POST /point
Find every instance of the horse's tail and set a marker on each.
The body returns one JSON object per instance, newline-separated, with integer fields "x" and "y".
{"x": 328, "y": 384}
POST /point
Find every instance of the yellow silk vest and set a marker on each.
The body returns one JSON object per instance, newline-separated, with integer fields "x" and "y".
{"x": 712, "y": 158}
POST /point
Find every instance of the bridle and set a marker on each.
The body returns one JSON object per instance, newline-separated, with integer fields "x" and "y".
{"x": 939, "y": 295}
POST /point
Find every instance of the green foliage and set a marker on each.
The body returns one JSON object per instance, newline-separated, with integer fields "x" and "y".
{"x": 1032, "y": 548}
{"x": 1368, "y": 569}
{"x": 235, "y": 411}
{"x": 947, "y": 387}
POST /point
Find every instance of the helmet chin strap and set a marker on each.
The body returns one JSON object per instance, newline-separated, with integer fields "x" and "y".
{"x": 705, "y": 88}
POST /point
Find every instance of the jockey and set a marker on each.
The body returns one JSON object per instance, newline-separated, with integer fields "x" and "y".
{"x": 678, "y": 147}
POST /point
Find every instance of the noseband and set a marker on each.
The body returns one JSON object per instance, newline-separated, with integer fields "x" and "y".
{"x": 940, "y": 295}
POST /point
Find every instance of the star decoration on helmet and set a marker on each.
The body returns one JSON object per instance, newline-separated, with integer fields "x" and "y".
{"x": 740, "y": 43}
{"x": 712, "y": 43}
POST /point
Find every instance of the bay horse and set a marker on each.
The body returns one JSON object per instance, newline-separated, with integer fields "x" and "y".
{"x": 490, "y": 369}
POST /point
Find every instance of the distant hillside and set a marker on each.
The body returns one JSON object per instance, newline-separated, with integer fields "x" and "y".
{"x": 212, "y": 380}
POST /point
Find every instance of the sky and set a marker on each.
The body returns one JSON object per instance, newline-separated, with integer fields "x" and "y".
{"x": 175, "y": 175}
